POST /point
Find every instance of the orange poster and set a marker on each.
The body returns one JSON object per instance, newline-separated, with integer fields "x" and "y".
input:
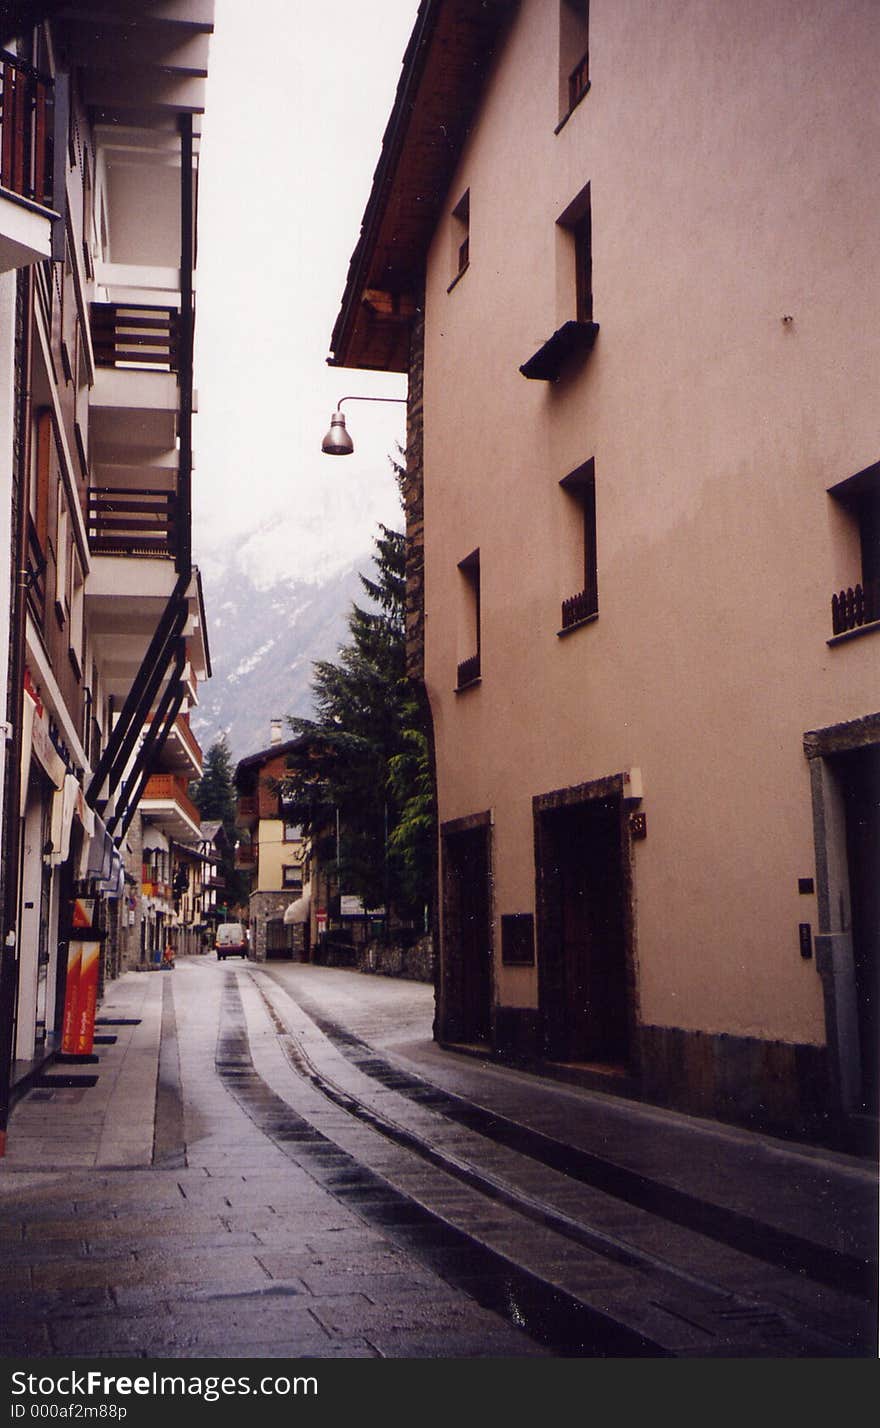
{"x": 87, "y": 998}
{"x": 71, "y": 993}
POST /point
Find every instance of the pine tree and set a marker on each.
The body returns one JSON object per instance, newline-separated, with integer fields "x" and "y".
{"x": 215, "y": 798}
{"x": 352, "y": 768}
{"x": 214, "y": 793}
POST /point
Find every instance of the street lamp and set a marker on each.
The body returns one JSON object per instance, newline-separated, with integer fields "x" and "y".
{"x": 337, "y": 442}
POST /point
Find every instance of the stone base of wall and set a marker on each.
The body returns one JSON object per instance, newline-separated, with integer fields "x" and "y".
{"x": 776, "y": 1086}
{"x": 780, "y": 1088}
{"x": 414, "y": 963}
{"x": 517, "y": 1033}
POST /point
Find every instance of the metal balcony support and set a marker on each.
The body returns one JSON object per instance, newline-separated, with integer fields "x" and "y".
{"x": 152, "y": 743}
{"x": 140, "y": 697}
{"x": 187, "y": 263}
{"x": 165, "y": 728}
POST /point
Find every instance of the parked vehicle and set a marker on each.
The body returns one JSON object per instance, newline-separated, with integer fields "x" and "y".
{"x": 231, "y": 940}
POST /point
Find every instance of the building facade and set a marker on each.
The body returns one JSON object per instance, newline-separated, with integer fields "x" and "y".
{"x": 271, "y": 852}
{"x": 104, "y": 625}
{"x": 628, "y": 256}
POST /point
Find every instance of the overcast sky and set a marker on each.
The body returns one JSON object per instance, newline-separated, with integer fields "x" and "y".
{"x": 297, "y": 102}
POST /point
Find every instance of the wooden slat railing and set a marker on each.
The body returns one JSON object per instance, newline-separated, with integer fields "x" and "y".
{"x": 168, "y": 788}
{"x": 858, "y": 605}
{"x": 135, "y": 335}
{"x": 469, "y": 670}
{"x": 122, "y": 521}
{"x": 25, "y": 130}
{"x": 578, "y": 607}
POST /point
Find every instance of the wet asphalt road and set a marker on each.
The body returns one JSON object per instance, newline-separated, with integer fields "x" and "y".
{"x": 318, "y": 1180}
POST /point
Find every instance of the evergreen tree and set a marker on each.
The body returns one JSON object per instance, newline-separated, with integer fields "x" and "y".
{"x": 215, "y": 797}
{"x": 350, "y": 775}
{"x": 214, "y": 793}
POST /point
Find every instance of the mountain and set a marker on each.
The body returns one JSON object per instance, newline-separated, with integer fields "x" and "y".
{"x": 263, "y": 641}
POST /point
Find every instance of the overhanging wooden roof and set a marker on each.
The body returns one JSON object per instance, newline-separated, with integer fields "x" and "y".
{"x": 444, "y": 68}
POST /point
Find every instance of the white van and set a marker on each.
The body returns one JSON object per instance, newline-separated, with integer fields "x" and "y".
{"x": 231, "y": 940}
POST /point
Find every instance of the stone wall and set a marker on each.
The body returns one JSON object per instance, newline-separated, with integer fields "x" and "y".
{"x": 414, "y": 962}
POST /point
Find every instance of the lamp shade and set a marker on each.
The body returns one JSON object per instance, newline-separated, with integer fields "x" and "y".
{"x": 337, "y": 442}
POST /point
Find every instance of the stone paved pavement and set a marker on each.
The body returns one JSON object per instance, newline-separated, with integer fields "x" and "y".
{"x": 236, "y": 1254}
{"x": 170, "y": 1225}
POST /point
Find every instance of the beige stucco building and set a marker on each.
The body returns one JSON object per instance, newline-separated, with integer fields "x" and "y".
{"x": 271, "y": 851}
{"x": 628, "y": 254}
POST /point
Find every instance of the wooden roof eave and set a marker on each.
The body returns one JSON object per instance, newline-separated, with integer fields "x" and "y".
{"x": 444, "y": 68}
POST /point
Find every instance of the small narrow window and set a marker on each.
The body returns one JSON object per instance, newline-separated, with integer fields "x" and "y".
{"x": 62, "y": 559}
{"x": 461, "y": 241}
{"x": 583, "y": 265}
{"x": 575, "y": 259}
{"x": 574, "y": 53}
{"x": 469, "y": 670}
{"x": 580, "y": 489}
{"x": 858, "y": 603}
{"x": 76, "y": 631}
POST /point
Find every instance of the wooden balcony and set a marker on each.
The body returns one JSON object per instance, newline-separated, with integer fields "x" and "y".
{"x": 129, "y": 522}
{"x": 168, "y": 788}
{"x": 856, "y": 606}
{"x": 246, "y": 857}
{"x": 25, "y": 130}
{"x": 134, "y": 335}
{"x": 247, "y": 810}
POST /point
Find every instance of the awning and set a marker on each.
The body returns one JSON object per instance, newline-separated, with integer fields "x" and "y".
{"x": 63, "y": 807}
{"x": 298, "y": 911}
{"x": 113, "y": 885}
{"x": 97, "y": 854}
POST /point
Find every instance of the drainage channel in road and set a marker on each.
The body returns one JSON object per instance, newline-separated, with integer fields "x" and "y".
{"x": 548, "y": 1314}
{"x": 785, "y": 1250}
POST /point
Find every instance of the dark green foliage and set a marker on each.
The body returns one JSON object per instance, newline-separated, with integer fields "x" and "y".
{"x": 214, "y": 793}
{"x": 215, "y": 797}
{"x": 363, "y": 756}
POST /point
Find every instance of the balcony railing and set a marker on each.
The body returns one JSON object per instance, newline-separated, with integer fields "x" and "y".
{"x": 859, "y": 605}
{"x": 132, "y": 522}
{"x": 136, "y": 335}
{"x": 168, "y": 788}
{"x": 246, "y": 856}
{"x": 579, "y": 607}
{"x": 36, "y": 575}
{"x": 248, "y": 808}
{"x": 25, "y": 130}
{"x": 469, "y": 671}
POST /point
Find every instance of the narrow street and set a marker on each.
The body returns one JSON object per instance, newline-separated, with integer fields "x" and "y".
{"x": 276, "y": 1161}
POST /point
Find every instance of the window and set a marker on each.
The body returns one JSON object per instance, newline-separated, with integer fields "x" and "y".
{"x": 469, "y": 620}
{"x": 75, "y": 635}
{"x": 575, "y": 258}
{"x": 574, "y": 54}
{"x": 292, "y": 876}
{"x": 461, "y": 242}
{"x": 579, "y": 487}
{"x": 858, "y": 501}
{"x": 62, "y": 558}
{"x": 577, "y": 332}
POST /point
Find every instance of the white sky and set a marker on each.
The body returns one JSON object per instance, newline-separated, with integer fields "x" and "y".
{"x": 297, "y": 102}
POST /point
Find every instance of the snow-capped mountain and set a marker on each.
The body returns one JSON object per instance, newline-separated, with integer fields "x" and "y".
{"x": 263, "y": 641}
